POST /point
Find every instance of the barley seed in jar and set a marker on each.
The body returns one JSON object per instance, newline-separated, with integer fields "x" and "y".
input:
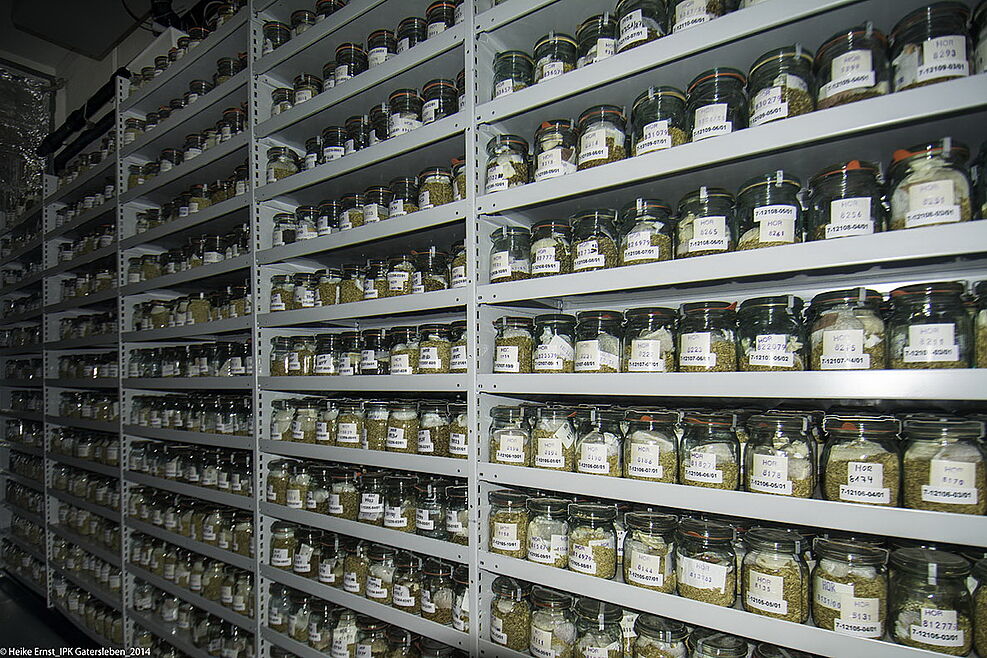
{"x": 771, "y": 334}
{"x": 404, "y": 350}
{"x": 554, "y": 439}
{"x": 651, "y": 446}
{"x": 348, "y": 354}
{"x": 639, "y": 22}
{"x": 689, "y": 13}
{"x": 943, "y": 466}
{"x": 930, "y": 185}
{"x": 775, "y": 576}
{"x": 646, "y": 232}
{"x": 598, "y": 629}
{"x": 404, "y": 196}
{"x": 781, "y": 85}
{"x": 852, "y": 65}
{"x": 594, "y": 240}
{"x": 707, "y": 337}
{"x": 847, "y": 331}
{"x": 357, "y": 133}
{"x": 507, "y": 163}
{"x": 459, "y": 191}
{"x": 657, "y": 637}
{"x": 649, "y": 551}
{"x": 440, "y": 16}
{"x": 508, "y": 519}
{"x": 705, "y": 562}
{"x": 411, "y": 31}
{"x": 434, "y": 349}
{"x": 510, "y": 441}
{"x": 406, "y": 595}
{"x": 929, "y": 327}
{"x": 861, "y": 460}
{"x": 510, "y": 254}
{"x": 406, "y": 111}
{"x": 592, "y": 540}
{"x": 598, "y": 337}
{"x": 399, "y": 275}
{"x": 513, "y": 71}
{"x": 351, "y": 60}
{"x": 282, "y": 162}
{"x": 658, "y": 118}
{"x": 513, "y": 345}
{"x": 931, "y": 44}
{"x": 551, "y": 248}
{"x": 706, "y": 223}
{"x": 599, "y": 447}
{"x": 769, "y": 212}
{"x": 779, "y": 457}
{"x": 554, "y": 347}
{"x": 381, "y": 46}
{"x": 845, "y": 199}
{"x": 850, "y": 587}
{"x": 555, "y": 149}
{"x": 596, "y": 38}
{"x": 709, "y": 452}
{"x": 376, "y": 204}
{"x": 717, "y": 103}
{"x": 375, "y": 279}
{"x": 434, "y": 187}
{"x": 555, "y": 54}
{"x": 440, "y": 100}
{"x": 510, "y": 613}
{"x": 306, "y": 87}
{"x": 601, "y": 136}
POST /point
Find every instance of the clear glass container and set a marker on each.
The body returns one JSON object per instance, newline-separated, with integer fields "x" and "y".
{"x": 639, "y": 22}
{"x": 705, "y": 562}
{"x": 651, "y": 446}
{"x": 781, "y": 85}
{"x": 510, "y": 614}
{"x": 647, "y": 232}
{"x": 507, "y": 163}
{"x": 775, "y": 578}
{"x": 771, "y": 336}
{"x": 508, "y": 523}
{"x": 931, "y": 44}
{"x": 930, "y": 605}
{"x": 553, "y": 629}
{"x": 929, "y": 327}
{"x": 602, "y": 137}
{"x": 510, "y": 441}
{"x": 847, "y": 331}
{"x": 769, "y": 211}
{"x": 707, "y": 337}
{"x": 944, "y": 466}
{"x": 555, "y": 54}
{"x": 930, "y": 185}
{"x": 513, "y": 71}
{"x": 555, "y": 149}
{"x": 554, "y": 343}
{"x": 592, "y": 540}
{"x": 860, "y": 462}
{"x": 706, "y": 223}
{"x": 852, "y": 65}
{"x": 649, "y": 340}
{"x": 649, "y": 551}
{"x": 658, "y": 117}
{"x": 548, "y": 531}
{"x": 717, "y": 103}
{"x": 596, "y": 38}
{"x": 598, "y": 628}
{"x": 846, "y": 199}
{"x": 437, "y": 592}
{"x": 598, "y": 341}
{"x": 709, "y": 452}
{"x": 779, "y": 457}
{"x": 850, "y": 587}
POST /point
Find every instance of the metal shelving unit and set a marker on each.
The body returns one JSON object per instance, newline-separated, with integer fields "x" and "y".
{"x": 187, "y": 595}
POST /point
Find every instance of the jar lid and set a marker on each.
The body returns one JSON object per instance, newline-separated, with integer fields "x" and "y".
{"x": 506, "y": 231}
{"x": 381, "y": 34}
{"x": 378, "y": 552}
{"x": 508, "y": 587}
{"x": 650, "y": 312}
{"x": 660, "y": 628}
{"x": 861, "y": 425}
{"x": 600, "y": 612}
{"x": 781, "y": 540}
{"x": 710, "y": 419}
{"x": 276, "y": 25}
{"x": 602, "y": 113}
{"x": 723, "y": 73}
{"x": 553, "y": 125}
{"x": 919, "y": 292}
{"x": 700, "y": 308}
{"x": 856, "y": 37}
{"x": 722, "y": 645}
{"x": 411, "y": 22}
{"x": 651, "y": 521}
{"x": 779, "y": 422}
{"x": 943, "y": 428}
{"x": 706, "y": 531}
{"x": 438, "y": 84}
{"x": 795, "y": 52}
{"x": 599, "y": 21}
{"x": 602, "y": 316}
{"x": 555, "y": 226}
{"x": 544, "y": 597}
{"x": 776, "y": 178}
{"x": 593, "y": 512}
{"x": 947, "y": 147}
{"x": 850, "y": 552}
{"x": 646, "y": 416}
{"x": 555, "y": 318}
{"x": 920, "y": 23}
{"x": 555, "y": 37}
{"x": 790, "y": 302}
{"x": 556, "y": 508}
{"x": 513, "y": 322}
{"x": 439, "y": 5}
{"x": 512, "y": 141}
{"x": 930, "y": 564}
{"x": 350, "y": 48}
{"x": 457, "y": 491}
{"x": 705, "y": 193}
{"x": 308, "y": 78}
{"x": 461, "y": 574}
{"x": 858, "y": 297}
{"x": 399, "y": 94}
{"x": 512, "y": 55}
{"x": 598, "y": 215}
{"x": 508, "y": 498}
{"x": 645, "y": 207}
{"x": 660, "y": 91}
{"x": 435, "y": 171}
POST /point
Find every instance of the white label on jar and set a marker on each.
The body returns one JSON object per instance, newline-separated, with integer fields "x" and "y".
{"x": 425, "y": 445}
{"x": 552, "y": 355}
{"x": 302, "y": 95}
{"x": 771, "y": 350}
{"x": 776, "y": 223}
{"x": 552, "y": 164}
{"x": 429, "y": 109}
{"x": 294, "y": 498}
{"x": 507, "y": 359}
{"x": 279, "y": 558}
{"x": 372, "y": 213}
{"x": 654, "y": 137}
{"x": 952, "y": 483}
{"x": 458, "y": 359}
{"x": 303, "y": 559}
{"x": 371, "y": 506}
{"x": 694, "y": 350}
{"x": 458, "y": 278}
{"x": 500, "y": 265}
{"x": 710, "y": 121}
{"x": 633, "y": 27}
{"x": 702, "y": 467}
{"x": 646, "y": 569}
{"x": 435, "y": 29}
{"x": 424, "y": 200}
{"x": 545, "y": 262}
{"x": 548, "y": 453}
{"x": 503, "y": 88}
{"x": 452, "y": 523}
{"x": 510, "y": 448}
{"x": 393, "y": 518}
{"x": 396, "y": 281}
{"x": 645, "y": 356}
{"x": 341, "y": 73}
{"x": 541, "y": 643}
{"x": 401, "y": 125}
{"x": 701, "y": 574}
{"x": 375, "y": 57}
{"x": 347, "y": 433}
{"x": 423, "y": 521}
{"x": 931, "y": 343}
{"x": 335, "y": 505}
{"x": 330, "y": 153}
{"x": 593, "y": 458}
{"x": 457, "y": 444}
{"x": 341, "y": 641}
{"x": 931, "y": 203}
{"x": 766, "y": 592}
{"x": 843, "y": 349}
{"x": 428, "y": 359}
{"x": 689, "y": 13}
{"x": 497, "y": 633}
{"x": 770, "y": 474}
{"x": 551, "y": 70}
{"x": 852, "y": 70}
{"x": 709, "y": 233}
{"x": 396, "y": 438}
{"x": 581, "y": 558}
{"x": 590, "y": 358}
{"x": 402, "y": 596}
{"x": 943, "y": 57}
{"x": 368, "y": 360}
{"x": 375, "y": 588}
{"x": 939, "y": 628}
{"x": 396, "y": 207}
{"x": 865, "y": 484}
{"x": 588, "y": 255}
{"x": 401, "y": 364}
{"x": 768, "y": 105}
{"x": 639, "y": 246}
{"x": 644, "y": 461}
{"x": 504, "y": 537}
{"x": 546, "y": 551}
{"x": 326, "y": 573}
{"x": 593, "y": 146}
{"x": 849, "y": 217}
{"x": 601, "y": 652}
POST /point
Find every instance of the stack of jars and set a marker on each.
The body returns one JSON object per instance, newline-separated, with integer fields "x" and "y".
{"x": 97, "y": 447}
{"x": 24, "y": 336}
{"x": 15, "y": 272}
{"x": 197, "y": 198}
{"x": 425, "y": 427}
{"x": 28, "y": 532}
{"x": 196, "y": 308}
{"x": 84, "y": 326}
{"x": 425, "y": 349}
{"x": 77, "y": 560}
{"x": 211, "y": 468}
{"x": 87, "y": 281}
{"x": 83, "y": 162}
{"x": 224, "y": 527}
{"x": 24, "y": 369}
{"x": 27, "y": 466}
{"x": 92, "y": 198}
{"x": 99, "y": 490}
{"x": 91, "y": 405}
{"x": 102, "y": 236}
{"x": 214, "y": 580}
{"x": 89, "y": 611}
{"x": 88, "y": 366}
{"x": 22, "y": 563}
{"x": 91, "y": 527}
{"x": 200, "y": 250}
{"x": 27, "y": 499}
{"x": 219, "y": 359}
{"x": 11, "y": 307}
{"x": 29, "y": 400}
{"x": 27, "y": 433}
{"x": 924, "y": 326}
{"x": 210, "y": 414}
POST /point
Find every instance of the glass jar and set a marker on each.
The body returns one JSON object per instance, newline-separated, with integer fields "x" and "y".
{"x": 553, "y": 631}
{"x": 598, "y": 338}
{"x": 344, "y": 632}
{"x": 709, "y": 453}
{"x": 282, "y": 100}
{"x": 380, "y": 574}
{"x": 860, "y": 462}
{"x": 929, "y": 601}
{"x": 399, "y": 503}
{"x": 355, "y": 566}
{"x": 411, "y": 31}
{"x": 371, "y": 637}
{"x": 599, "y": 447}
{"x": 458, "y": 431}
{"x": 306, "y": 560}
{"x": 597, "y": 39}
{"x": 658, "y": 117}
{"x": 847, "y": 331}
{"x": 640, "y": 21}
{"x": 433, "y": 432}
{"x": 980, "y": 574}
{"x": 943, "y": 466}
{"x": 441, "y": 100}
{"x": 555, "y": 54}
{"x": 548, "y": 531}
{"x": 275, "y": 35}
{"x": 407, "y": 583}
{"x": 281, "y": 163}
{"x": 779, "y": 456}
{"x": 850, "y": 587}
{"x": 555, "y": 149}
{"x": 771, "y": 334}
{"x": 594, "y": 240}
{"x": 440, "y": 16}
{"x": 651, "y": 446}
{"x": 930, "y": 185}
{"x": 705, "y": 562}
{"x": 351, "y": 60}
{"x": 402, "y": 427}
{"x": 406, "y": 111}
{"x": 554, "y": 343}
{"x": 852, "y": 65}
{"x": 775, "y": 580}
{"x": 929, "y": 327}
{"x": 404, "y": 350}
{"x": 306, "y": 87}
{"x": 381, "y": 46}
{"x": 706, "y": 223}
{"x": 510, "y": 442}
{"x": 434, "y": 187}
{"x": 508, "y": 523}
{"x": 430, "y": 512}
{"x": 601, "y": 136}
{"x": 598, "y": 628}
{"x": 769, "y": 212}
{"x": 283, "y": 545}
{"x": 931, "y": 44}
{"x": 404, "y": 196}
{"x": 649, "y": 340}
{"x": 459, "y": 191}
{"x": 554, "y": 439}
{"x": 646, "y": 232}
{"x": 510, "y": 254}
{"x": 659, "y": 637}
{"x": 707, "y": 337}
{"x": 513, "y": 345}
{"x": 437, "y": 592}
{"x": 717, "y": 103}
{"x": 551, "y": 249}
{"x": 510, "y": 614}
{"x": 507, "y": 163}
{"x": 431, "y": 271}
{"x": 592, "y": 540}
{"x": 781, "y": 84}
{"x": 846, "y": 199}
{"x": 513, "y": 71}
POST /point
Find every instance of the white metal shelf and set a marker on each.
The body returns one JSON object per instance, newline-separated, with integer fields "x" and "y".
{"x": 103, "y": 168}
{"x": 396, "y": 460}
{"x": 186, "y": 383}
{"x": 170, "y": 633}
{"x": 488, "y": 648}
{"x": 85, "y": 464}
{"x": 107, "y": 252}
{"x": 294, "y": 646}
{"x": 25, "y": 449}
{"x": 33, "y": 551}
{"x": 212, "y": 328}
{"x": 36, "y": 519}
{"x": 961, "y": 529}
{"x": 229, "y": 557}
{"x": 68, "y": 382}
{"x": 102, "y": 552}
{"x": 237, "y": 205}
{"x": 26, "y": 282}
{"x": 241, "y": 262}
{"x": 212, "y": 607}
{"x": 24, "y": 481}
{"x": 23, "y": 383}
{"x": 408, "y": 621}
{"x": 965, "y": 384}
{"x": 114, "y": 600}
{"x": 507, "y": 12}
{"x": 404, "y": 540}
{"x": 81, "y": 503}
{"x": 197, "y": 438}
{"x": 424, "y": 383}
{"x": 191, "y": 490}
{"x": 83, "y": 219}
{"x": 730, "y": 620}
{"x": 391, "y": 306}
{"x": 101, "y": 298}
{"x": 26, "y": 350}
{"x": 84, "y": 423}
{"x": 84, "y": 342}
{"x": 36, "y": 416}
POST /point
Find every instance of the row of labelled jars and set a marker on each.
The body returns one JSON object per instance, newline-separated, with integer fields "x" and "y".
{"x": 434, "y": 186}
{"x": 87, "y": 281}
{"x": 98, "y": 238}
{"x": 89, "y": 526}
{"x": 79, "y": 561}
{"x": 26, "y": 499}
{"x": 276, "y": 34}
{"x": 929, "y": 45}
{"x": 88, "y": 610}
{"x": 19, "y": 562}
{"x": 31, "y": 467}
{"x": 196, "y": 308}
{"x": 92, "y": 198}
{"x": 26, "y": 400}
{"x": 212, "y": 579}
{"x": 90, "y": 487}
{"x": 197, "y": 198}
{"x": 402, "y": 579}
{"x": 873, "y": 460}
{"x": 922, "y": 326}
{"x": 212, "y": 468}
{"x": 338, "y": 631}
{"x": 212, "y": 635}
{"x": 223, "y": 527}
{"x": 202, "y": 412}
{"x": 24, "y": 369}
{"x": 402, "y": 274}
{"x": 23, "y": 336}
{"x": 232, "y": 121}
{"x": 17, "y": 271}
{"x": 219, "y": 359}
{"x": 79, "y": 326}
{"x": 24, "y": 433}
{"x": 28, "y": 532}
{"x": 16, "y": 306}
{"x": 929, "y": 186}
{"x": 88, "y": 366}
{"x": 199, "y": 250}
{"x": 103, "y": 406}
{"x": 428, "y": 506}
{"x": 407, "y": 350}
{"x": 84, "y": 162}
{"x": 425, "y": 427}
{"x": 97, "y": 447}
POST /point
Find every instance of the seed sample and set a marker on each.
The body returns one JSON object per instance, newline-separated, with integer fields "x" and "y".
{"x": 945, "y": 478}
{"x": 708, "y": 577}
{"x": 862, "y": 472}
{"x": 510, "y": 623}
{"x": 850, "y": 598}
{"x": 775, "y": 585}
{"x": 509, "y": 532}
{"x": 713, "y": 466}
{"x": 593, "y": 551}
{"x": 649, "y": 562}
